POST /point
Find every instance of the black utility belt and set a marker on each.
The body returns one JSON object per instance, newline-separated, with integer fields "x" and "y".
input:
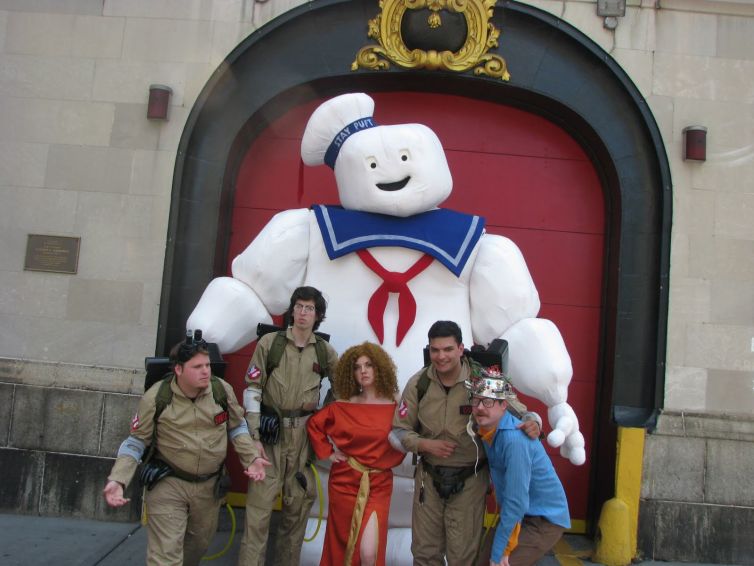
{"x": 156, "y": 469}
{"x": 448, "y": 480}
{"x": 185, "y": 476}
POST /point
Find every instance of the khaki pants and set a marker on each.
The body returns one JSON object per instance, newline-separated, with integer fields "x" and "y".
{"x": 182, "y": 519}
{"x": 450, "y": 527}
{"x": 288, "y": 457}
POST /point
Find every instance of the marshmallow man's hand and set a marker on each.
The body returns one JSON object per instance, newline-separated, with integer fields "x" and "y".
{"x": 565, "y": 433}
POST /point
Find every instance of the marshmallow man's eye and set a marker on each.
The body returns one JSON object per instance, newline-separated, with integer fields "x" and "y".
{"x": 371, "y": 162}
{"x": 404, "y": 155}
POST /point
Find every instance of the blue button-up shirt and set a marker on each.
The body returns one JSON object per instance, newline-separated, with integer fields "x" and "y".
{"x": 525, "y": 482}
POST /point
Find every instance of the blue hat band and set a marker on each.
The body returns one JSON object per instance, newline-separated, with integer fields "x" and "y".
{"x": 331, "y": 155}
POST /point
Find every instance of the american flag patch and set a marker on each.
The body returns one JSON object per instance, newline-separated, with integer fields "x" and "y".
{"x": 253, "y": 373}
{"x": 135, "y": 422}
{"x": 403, "y": 410}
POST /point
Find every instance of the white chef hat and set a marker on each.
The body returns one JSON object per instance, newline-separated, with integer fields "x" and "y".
{"x": 331, "y": 124}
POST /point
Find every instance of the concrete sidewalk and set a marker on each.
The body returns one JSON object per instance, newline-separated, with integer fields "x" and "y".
{"x": 30, "y": 540}
{"x": 27, "y": 540}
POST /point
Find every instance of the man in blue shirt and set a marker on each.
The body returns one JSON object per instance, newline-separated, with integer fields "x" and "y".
{"x": 533, "y": 506}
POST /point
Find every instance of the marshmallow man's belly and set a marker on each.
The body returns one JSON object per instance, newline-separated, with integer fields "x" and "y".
{"x": 348, "y": 285}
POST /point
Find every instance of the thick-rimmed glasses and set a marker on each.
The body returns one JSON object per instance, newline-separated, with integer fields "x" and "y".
{"x": 487, "y": 402}
{"x": 306, "y": 309}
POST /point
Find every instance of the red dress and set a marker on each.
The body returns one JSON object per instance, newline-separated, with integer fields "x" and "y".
{"x": 360, "y": 431}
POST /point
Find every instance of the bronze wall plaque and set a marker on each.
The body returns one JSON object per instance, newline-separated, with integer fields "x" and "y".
{"x": 58, "y": 254}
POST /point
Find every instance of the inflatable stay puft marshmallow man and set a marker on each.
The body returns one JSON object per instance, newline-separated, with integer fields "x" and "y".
{"x": 390, "y": 263}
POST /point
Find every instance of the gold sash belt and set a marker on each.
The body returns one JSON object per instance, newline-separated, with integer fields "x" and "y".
{"x": 358, "y": 510}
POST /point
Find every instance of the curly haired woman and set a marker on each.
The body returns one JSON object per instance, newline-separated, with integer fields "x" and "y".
{"x": 352, "y": 433}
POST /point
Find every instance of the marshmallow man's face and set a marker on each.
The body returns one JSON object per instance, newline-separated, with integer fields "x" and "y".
{"x": 397, "y": 170}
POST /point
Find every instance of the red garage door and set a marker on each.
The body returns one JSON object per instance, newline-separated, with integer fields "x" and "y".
{"x": 532, "y": 182}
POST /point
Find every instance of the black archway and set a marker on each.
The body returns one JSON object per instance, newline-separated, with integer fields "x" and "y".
{"x": 556, "y": 72}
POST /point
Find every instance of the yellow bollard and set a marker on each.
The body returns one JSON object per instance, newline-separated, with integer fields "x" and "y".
{"x": 615, "y": 543}
{"x": 613, "y": 539}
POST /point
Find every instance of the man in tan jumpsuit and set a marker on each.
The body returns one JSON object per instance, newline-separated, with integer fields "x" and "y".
{"x": 192, "y": 439}
{"x": 452, "y": 478}
{"x": 291, "y": 392}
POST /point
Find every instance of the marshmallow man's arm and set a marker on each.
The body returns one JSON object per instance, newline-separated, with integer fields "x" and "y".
{"x": 539, "y": 366}
{"x": 501, "y": 289}
{"x": 264, "y": 276}
{"x": 504, "y": 304}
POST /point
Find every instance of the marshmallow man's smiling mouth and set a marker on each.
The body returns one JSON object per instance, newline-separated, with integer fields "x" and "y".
{"x": 396, "y": 186}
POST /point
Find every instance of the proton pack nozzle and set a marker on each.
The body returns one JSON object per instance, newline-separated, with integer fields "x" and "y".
{"x": 194, "y": 343}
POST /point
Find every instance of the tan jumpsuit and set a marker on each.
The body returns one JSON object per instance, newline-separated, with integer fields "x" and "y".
{"x": 450, "y": 527}
{"x": 182, "y": 515}
{"x": 292, "y": 386}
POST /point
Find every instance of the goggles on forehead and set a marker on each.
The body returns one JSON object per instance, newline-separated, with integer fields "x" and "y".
{"x": 194, "y": 343}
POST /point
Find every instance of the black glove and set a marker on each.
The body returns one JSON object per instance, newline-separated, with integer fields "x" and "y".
{"x": 269, "y": 428}
{"x": 153, "y": 471}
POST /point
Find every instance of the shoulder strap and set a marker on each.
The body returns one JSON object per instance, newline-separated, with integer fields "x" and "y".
{"x": 321, "y": 347}
{"x": 218, "y": 393}
{"x": 422, "y": 385}
{"x": 162, "y": 400}
{"x": 276, "y": 352}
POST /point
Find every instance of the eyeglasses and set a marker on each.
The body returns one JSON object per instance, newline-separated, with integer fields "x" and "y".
{"x": 298, "y": 307}
{"x": 486, "y": 401}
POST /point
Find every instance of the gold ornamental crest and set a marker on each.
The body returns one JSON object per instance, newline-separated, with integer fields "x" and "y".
{"x": 453, "y": 35}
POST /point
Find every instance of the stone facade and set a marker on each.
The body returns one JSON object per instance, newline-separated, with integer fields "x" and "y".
{"x": 60, "y": 427}
{"x": 697, "y": 499}
{"x": 79, "y": 158}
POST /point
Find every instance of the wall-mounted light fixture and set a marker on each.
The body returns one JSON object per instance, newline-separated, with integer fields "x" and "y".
{"x": 611, "y": 10}
{"x": 159, "y": 102}
{"x": 695, "y": 143}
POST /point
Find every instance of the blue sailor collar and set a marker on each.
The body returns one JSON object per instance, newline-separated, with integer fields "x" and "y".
{"x": 446, "y": 235}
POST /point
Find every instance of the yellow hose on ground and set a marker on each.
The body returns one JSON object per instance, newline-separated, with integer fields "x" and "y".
{"x": 321, "y": 504}
{"x": 230, "y": 538}
{"x": 233, "y": 520}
